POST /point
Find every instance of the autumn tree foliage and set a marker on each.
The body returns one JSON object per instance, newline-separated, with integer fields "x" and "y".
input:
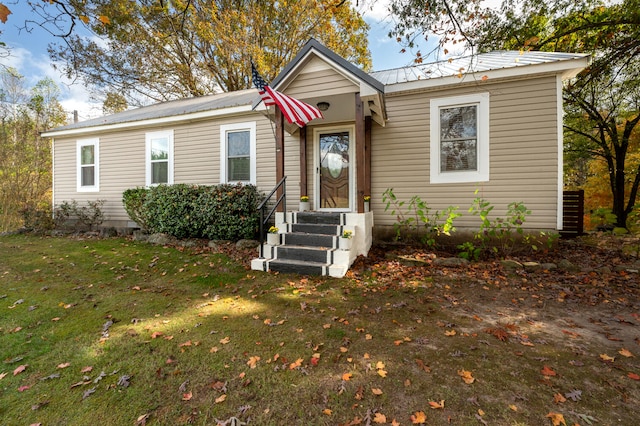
{"x": 25, "y": 157}
{"x": 602, "y": 103}
{"x": 160, "y": 50}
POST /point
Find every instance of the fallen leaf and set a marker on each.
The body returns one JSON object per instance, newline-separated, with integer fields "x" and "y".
{"x": 466, "y": 376}
{"x": 633, "y": 376}
{"x": 435, "y": 405}
{"x": 556, "y": 419}
{"x": 547, "y": 371}
{"x": 86, "y": 369}
{"x": 156, "y": 334}
{"x": 20, "y": 369}
{"x": 23, "y": 388}
{"x": 225, "y": 340}
{"x": 327, "y": 411}
{"x": 347, "y": 376}
{"x": 607, "y": 358}
{"x": 513, "y": 407}
{"x": 253, "y": 361}
{"x": 2, "y": 375}
{"x": 63, "y": 365}
{"x": 376, "y": 391}
{"x": 187, "y": 343}
{"x": 418, "y": 418}
{"x": 187, "y": 396}
{"x": 625, "y": 352}
{"x": 559, "y": 398}
{"x": 382, "y": 373}
{"x": 221, "y": 398}
{"x": 379, "y": 418}
{"x": 296, "y": 364}
{"x": 450, "y": 333}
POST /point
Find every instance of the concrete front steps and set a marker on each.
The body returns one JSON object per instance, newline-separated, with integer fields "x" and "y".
{"x": 309, "y": 243}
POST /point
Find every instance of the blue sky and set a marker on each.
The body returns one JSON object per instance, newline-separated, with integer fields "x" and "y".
{"x": 29, "y": 55}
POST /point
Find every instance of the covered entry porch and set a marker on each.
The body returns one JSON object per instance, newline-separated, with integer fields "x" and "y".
{"x": 334, "y": 160}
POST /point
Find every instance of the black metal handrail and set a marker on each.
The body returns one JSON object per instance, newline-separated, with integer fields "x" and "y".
{"x": 262, "y": 206}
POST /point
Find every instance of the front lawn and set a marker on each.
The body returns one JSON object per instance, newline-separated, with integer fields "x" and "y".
{"x": 116, "y": 332}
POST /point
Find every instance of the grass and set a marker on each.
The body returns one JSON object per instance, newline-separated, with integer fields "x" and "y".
{"x": 117, "y": 332}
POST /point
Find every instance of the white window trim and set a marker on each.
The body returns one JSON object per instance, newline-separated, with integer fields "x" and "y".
{"x": 480, "y": 175}
{"x": 224, "y": 129}
{"x": 148, "y": 137}
{"x": 96, "y": 158}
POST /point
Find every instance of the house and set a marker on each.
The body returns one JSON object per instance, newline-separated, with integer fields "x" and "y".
{"x": 490, "y": 122}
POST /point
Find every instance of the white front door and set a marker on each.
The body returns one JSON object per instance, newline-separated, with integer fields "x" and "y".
{"x": 335, "y": 171}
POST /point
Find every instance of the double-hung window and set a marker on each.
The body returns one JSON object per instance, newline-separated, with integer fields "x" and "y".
{"x": 159, "y": 158}
{"x": 238, "y": 153}
{"x": 459, "y": 136}
{"x": 88, "y": 166}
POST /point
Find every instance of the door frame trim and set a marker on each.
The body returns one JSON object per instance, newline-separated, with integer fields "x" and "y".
{"x": 351, "y": 128}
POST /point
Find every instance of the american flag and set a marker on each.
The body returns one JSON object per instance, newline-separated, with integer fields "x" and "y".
{"x": 294, "y": 111}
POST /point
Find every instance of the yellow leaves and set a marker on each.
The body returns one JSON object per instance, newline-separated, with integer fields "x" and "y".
{"x": 225, "y": 340}
{"x": 513, "y": 408}
{"x": 104, "y": 19}
{"x": 418, "y": 418}
{"x": 557, "y": 419}
{"x": 435, "y": 405}
{"x": 327, "y": 411}
{"x": 625, "y": 353}
{"x": 450, "y": 333}
{"x": 607, "y": 358}
{"x": 347, "y": 376}
{"x": 296, "y": 364}
{"x": 379, "y": 418}
{"x": 376, "y": 391}
{"x": 466, "y": 376}
{"x": 380, "y": 369}
{"x": 253, "y": 361}
{"x": 221, "y": 399}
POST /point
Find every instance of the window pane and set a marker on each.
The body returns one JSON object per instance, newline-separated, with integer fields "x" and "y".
{"x": 86, "y": 154}
{"x": 458, "y": 122}
{"x": 160, "y": 172}
{"x": 459, "y": 155}
{"x": 239, "y": 169}
{"x": 87, "y": 176}
{"x": 160, "y": 149}
{"x": 238, "y": 144}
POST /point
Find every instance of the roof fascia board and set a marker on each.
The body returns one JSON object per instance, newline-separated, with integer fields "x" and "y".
{"x": 567, "y": 68}
{"x": 150, "y": 122}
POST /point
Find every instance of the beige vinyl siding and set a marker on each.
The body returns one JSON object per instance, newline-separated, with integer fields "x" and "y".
{"x": 196, "y": 161}
{"x": 523, "y": 152}
{"x": 326, "y": 82}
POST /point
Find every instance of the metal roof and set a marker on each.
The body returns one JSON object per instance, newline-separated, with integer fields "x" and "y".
{"x": 175, "y": 108}
{"x": 483, "y": 62}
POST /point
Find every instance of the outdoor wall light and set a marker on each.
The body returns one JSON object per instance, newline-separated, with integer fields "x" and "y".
{"x": 323, "y": 106}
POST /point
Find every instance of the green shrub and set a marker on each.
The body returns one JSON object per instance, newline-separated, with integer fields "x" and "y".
{"x": 196, "y": 211}
{"x": 170, "y": 209}
{"x": 133, "y": 201}
{"x": 229, "y": 212}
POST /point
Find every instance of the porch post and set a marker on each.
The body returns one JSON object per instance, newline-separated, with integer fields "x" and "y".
{"x": 279, "y": 152}
{"x": 367, "y": 153}
{"x": 360, "y": 155}
{"x": 303, "y": 161}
